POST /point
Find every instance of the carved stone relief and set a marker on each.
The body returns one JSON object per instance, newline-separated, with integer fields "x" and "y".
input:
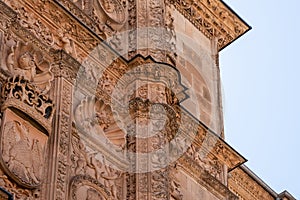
{"x": 23, "y": 150}
{"x": 211, "y": 165}
{"x": 245, "y": 187}
{"x": 21, "y": 59}
{"x": 95, "y": 118}
{"x": 21, "y": 94}
{"x": 90, "y": 162}
{"x": 62, "y": 32}
{"x": 105, "y": 17}
{"x": 77, "y": 33}
{"x": 14, "y": 188}
{"x": 175, "y": 193}
{"x": 210, "y": 18}
{"x": 84, "y": 187}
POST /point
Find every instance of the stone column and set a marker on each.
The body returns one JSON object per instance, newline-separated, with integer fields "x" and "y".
{"x": 154, "y": 121}
{"x": 150, "y": 30}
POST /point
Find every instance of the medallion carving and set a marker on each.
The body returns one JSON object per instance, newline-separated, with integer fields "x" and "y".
{"x": 23, "y": 148}
{"x": 114, "y": 10}
{"x": 87, "y": 188}
{"x": 105, "y": 17}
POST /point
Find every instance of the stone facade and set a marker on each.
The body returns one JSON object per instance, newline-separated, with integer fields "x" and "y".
{"x": 116, "y": 99}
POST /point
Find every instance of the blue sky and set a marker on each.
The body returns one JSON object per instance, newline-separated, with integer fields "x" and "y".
{"x": 261, "y": 96}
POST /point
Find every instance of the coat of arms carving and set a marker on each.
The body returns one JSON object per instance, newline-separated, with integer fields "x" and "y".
{"x": 22, "y": 147}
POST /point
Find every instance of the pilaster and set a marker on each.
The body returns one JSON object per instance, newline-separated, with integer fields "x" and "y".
{"x": 64, "y": 69}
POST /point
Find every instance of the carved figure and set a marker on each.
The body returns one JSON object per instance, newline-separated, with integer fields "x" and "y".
{"x": 109, "y": 6}
{"x": 110, "y": 175}
{"x": 66, "y": 43}
{"x": 25, "y": 61}
{"x": 114, "y": 10}
{"x": 92, "y": 194}
{"x": 22, "y": 154}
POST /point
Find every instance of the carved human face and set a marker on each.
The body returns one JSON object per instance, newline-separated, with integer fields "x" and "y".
{"x": 143, "y": 91}
{"x": 109, "y": 6}
{"x": 26, "y": 61}
{"x": 93, "y": 195}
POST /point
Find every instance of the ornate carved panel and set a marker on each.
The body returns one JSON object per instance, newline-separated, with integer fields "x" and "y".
{"x": 22, "y": 95}
{"x": 126, "y": 109}
{"x": 93, "y": 164}
{"x": 246, "y": 187}
{"x": 104, "y": 17}
{"x": 84, "y": 187}
{"x": 213, "y": 18}
{"x": 23, "y": 147}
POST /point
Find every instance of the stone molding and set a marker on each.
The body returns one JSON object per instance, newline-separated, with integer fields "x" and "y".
{"x": 205, "y": 179}
{"x": 243, "y": 185}
{"x": 214, "y": 19}
{"x": 64, "y": 65}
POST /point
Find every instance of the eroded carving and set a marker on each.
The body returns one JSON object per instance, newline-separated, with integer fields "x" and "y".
{"x": 87, "y": 161}
{"x": 22, "y": 147}
{"x": 87, "y": 188}
{"x": 25, "y": 61}
{"x": 95, "y": 118}
{"x": 17, "y": 90}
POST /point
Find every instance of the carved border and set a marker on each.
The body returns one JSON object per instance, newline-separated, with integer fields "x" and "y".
{"x": 224, "y": 152}
{"x": 214, "y": 19}
{"x": 205, "y": 179}
{"x": 241, "y": 183}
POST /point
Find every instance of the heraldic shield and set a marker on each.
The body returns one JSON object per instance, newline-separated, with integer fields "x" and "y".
{"x": 23, "y": 145}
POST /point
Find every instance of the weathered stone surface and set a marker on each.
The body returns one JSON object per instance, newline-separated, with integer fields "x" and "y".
{"x": 115, "y": 99}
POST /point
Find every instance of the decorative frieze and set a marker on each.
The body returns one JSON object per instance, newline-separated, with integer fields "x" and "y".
{"x": 205, "y": 179}
{"x": 241, "y": 183}
{"x": 124, "y": 132}
{"x": 213, "y": 18}
{"x": 94, "y": 166}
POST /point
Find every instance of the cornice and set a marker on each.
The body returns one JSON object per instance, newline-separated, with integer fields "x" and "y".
{"x": 205, "y": 179}
{"x": 241, "y": 181}
{"x": 210, "y": 141}
{"x": 214, "y": 19}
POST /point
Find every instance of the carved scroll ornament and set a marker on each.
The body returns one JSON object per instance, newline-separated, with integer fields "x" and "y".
{"x": 21, "y": 94}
